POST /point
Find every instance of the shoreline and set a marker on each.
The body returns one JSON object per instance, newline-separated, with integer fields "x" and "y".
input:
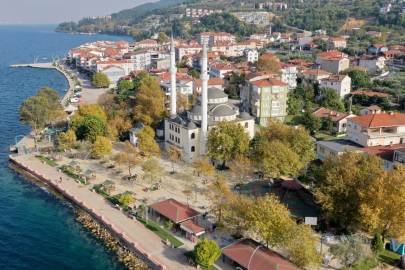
{"x": 121, "y": 236}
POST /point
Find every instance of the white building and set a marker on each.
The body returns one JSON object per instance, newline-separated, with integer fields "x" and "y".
{"x": 218, "y": 70}
{"x": 114, "y": 74}
{"x": 341, "y": 83}
{"x": 289, "y": 75}
{"x": 251, "y": 55}
{"x": 189, "y": 129}
{"x": 126, "y": 65}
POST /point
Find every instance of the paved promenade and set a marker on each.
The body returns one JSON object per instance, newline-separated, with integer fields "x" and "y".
{"x": 151, "y": 243}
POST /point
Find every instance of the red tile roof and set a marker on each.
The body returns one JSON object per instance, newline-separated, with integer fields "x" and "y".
{"x": 335, "y": 78}
{"x": 268, "y": 56}
{"x": 222, "y": 67}
{"x": 268, "y": 82}
{"x": 380, "y": 119}
{"x": 148, "y": 41}
{"x": 379, "y": 45}
{"x": 335, "y": 115}
{"x": 332, "y": 54}
{"x": 370, "y": 93}
{"x": 174, "y": 210}
{"x": 337, "y": 39}
{"x": 373, "y": 107}
{"x": 263, "y": 259}
{"x": 136, "y": 72}
{"x": 193, "y": 227}
{"x": 212, "y": 81}
{"x": 383, "y": 151}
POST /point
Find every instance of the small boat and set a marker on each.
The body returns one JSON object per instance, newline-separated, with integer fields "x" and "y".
{"x": 64, "y": 90}
{"x": 44, "y": 58}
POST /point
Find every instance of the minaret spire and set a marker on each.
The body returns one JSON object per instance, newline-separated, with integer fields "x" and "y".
{"x": 172, "y": 70}
{"x": 204, "y": 89}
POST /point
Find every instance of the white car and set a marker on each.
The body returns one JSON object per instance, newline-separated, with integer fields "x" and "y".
{"x": 74, "y": 100}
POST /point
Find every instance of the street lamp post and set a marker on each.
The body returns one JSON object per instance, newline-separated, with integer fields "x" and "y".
{"x": 195, "y": 191}
{"x": 252, "y": 256}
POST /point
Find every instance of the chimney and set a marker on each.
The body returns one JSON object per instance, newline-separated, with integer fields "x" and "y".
{"x": 330, "y": 112}
{"x": 391, "y": 113}
{"x": 342, "y": 55}
{"x": 337, "y": 114}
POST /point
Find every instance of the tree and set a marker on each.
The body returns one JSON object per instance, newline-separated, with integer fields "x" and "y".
{"x": 188, "y": 193}
{"x": 52, "y": 96}
{"x": 141, "y": 207}
{"x": 301, "y": 246}
{"x": 100, "y": 80}
{"x": 270, "y": 221}
{"x": 162, "y": 38}
{"x": 377, "y": 245}
{"x": 153, "y": 170}
{"x": 311, "y": 122}
{"x": 125, "y": 85}
{"x": 235, "y": 215}
{"x": 120, "y": 124}
{"x": 182, "y": 103}
{"x": 241, "y": 168}
{"x": 92, "y": 127}
{"x": 266, "y": 64}
{"x": 326, "y": 123}
{"x": 174, "y": 155}
{"x": 126, "y": 199}
{"x": 58, "y": 118}
{"x": 194, "y": 73}
{"x": 84, "y": 146}
{"x": 168, "y": 225}
{"x": 341, "y": 181}
{"x": 360, "y": 79}
{"x": 139, "y": 78}
{"x": 206, "y": 252}
{"x": 381, "y": 203}
{"x": 129, "y": 157}
{"x": 331, "y": 100}
{"x": 92, "y": 109}
{"x": 149, "y": 107}
{"x": 35, "y": 112}
{"x": 202, "y": 166}
{"x": 101, "y": 147}
{"x": 350, "y": 250}
{"x": 227, "y": 140}
{"x": 217, "y": 195}
{"x": 67, "y": 139}
{"x": 147, "y": 143}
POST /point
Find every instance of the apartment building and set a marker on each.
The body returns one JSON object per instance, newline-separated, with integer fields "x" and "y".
{"x": 126, "y": 65}
{"x": 218, "y": 70}
{"x": 337, "y": 42}
{"x": 213, "y": 38}
{"x": 251, "y": 55}
{"x": 373, "y": 63}
{"x": 377, "y": 129}
{"x": 182, "y": 50}
{"x": 341, "y": 83}
{"x": 289, "y": 75}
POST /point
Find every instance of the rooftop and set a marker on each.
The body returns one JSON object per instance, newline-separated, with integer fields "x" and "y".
{"x": 369, "y": 93}
{"x": 339, "y": 145}
{"x": 268, "y": 82}
{"x": 383, "y": 151}
{"x": 335, "y": 115}
{"x": 174, "y": 210}
{"x": 380, "y": 119}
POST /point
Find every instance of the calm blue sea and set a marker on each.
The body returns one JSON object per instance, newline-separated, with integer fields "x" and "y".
{"x": 37, "y": 230}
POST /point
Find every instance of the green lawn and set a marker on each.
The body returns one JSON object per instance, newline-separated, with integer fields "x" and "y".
{"x": 190, "y": 254}
{"x": 389, "y": 257}
{"x": 367, "y": 264}
{"x": 160, "y": 232}
{"x": 48, "y": 161}
{"x": 69, "y": 173}
{"x": 112, "y": 199}
{"x": 325, "y": 137}
{"x": 293, "y": 120}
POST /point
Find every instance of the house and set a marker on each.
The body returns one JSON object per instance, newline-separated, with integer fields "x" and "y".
{"x": 114, "y": 74}
{"x": 133, "y": 133}
{"x": 377, "y": 129}
{"x": 374, "y": 34}
{"x": 268, "y": 99}
{"x": 181, "y": 88}
{"x": 251, "y": 55}
{"x": 285, "y": 39}
{"x": 125, "y": 65}
{"x": 289, "y": 75}
{"x": 324, "y": 149}
{"x": 373, "y": 63}
{"x": 377, "y": 48}
{"x": 213, "y": 38}
{"x": 390, "y": 54}
{"x": 329, "y": 54}
{"x": 241, "y": 253}
{"x": 218, "y": 70}
{"x": 339, "y": 119}
{"x": 319, "y": 32}
{"x": 334, "y": 61}
{"x": 385, "y": 8}
{"x": 315, "y": 75}
{"x": 323, "y": 37}
{"x": 147, "y": 43}
{"x": 311, "y": 46}
{"x": 390, "y": 154}
{"x": 212, "y": 82}
{"x": 174, "y": 210}
{"x": 341, "y": 83}
{"x": 374, "y": 109}
{"x": 337, "y": 42}
{"x": 397, "y": 48}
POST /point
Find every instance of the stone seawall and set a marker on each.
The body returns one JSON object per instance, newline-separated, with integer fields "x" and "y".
{"x": 137, "y": 249}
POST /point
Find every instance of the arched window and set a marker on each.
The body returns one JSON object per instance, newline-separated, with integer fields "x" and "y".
{"x": 193, "y": 135}
{"x": 192, "y": 148}
{"x": 246, "y": 125}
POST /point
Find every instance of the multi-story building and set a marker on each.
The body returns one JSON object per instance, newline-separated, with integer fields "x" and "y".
{"x": 218, "y": 70}
{"x": 341, "y": 83}
{"x": 268, "y": 30}
{"x": 258, "y": 36}
{"x": 334, "y": 61}
{"x": 147, "y": 43}
{"x": 289, "y": 75}
{"x": 377, "y": 129}
{"x": 267, "y": 98}
{"x": 114, "y": 74}
{"x": 126, "y": 65}
{"x": 144, "y": 59}
{"x": 332, "y": 148}
{"x": 339, "y": 119}
{"x": 181, "y": 51}
{"x": 214, "y": 38}
{"x": 337, "y": 42}
{"x": 315, "y": 75}
{"x": 373, "y": 63}
{"x": 251, "y": 55}
{"x": 377, "y": 48}
{"x": 213, "y": 82}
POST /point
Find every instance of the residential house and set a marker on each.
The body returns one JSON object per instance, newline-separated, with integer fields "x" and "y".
{"x": 323, "y": 37}
{"x": 285, "y": 39}
{"x": 337, "y": 42}
{"x": 289, "y": 75}
{"x": 334, "y": 61}
{"x": 315, "y": 75}
{"x": 320, "y": 32}
{"x": 341, "y": 83}
{"x": 377, "y": 48}
{"x": 374, "y": 34}
{"x": 114, "y": 74}
{"x": 390, "y": 54}
{"x": 217, "y": 71}
{"x": 147, "y": 43}
{"x": 182, "y": 50}
{"x": 256, "y": 43}
{"x": 397, "y": 48}
{"x": 373, "y": 63}
{"x": 377, "y": 129}
{"x": 258, "y": 36}
{"x": 184, "y": 89}
{"x": 390, "y": 154}
{"x": 374, "y": 109}
{"x": 339, "y": 119}
{"x": 251, "y": 55}
{"x": 212, "y": 82}
{"x": 268, "y": 30}
{"x": 324, "y": 149}
{"x": 126, "y": 65}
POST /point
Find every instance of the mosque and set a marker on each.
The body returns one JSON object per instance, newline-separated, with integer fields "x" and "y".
{"x": 189, "y": 129}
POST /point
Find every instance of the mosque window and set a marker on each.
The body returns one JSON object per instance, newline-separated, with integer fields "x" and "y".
{"x": 193, "y": 135}
{"x": 246, "y": 125}
{"x": 192, "y": 148}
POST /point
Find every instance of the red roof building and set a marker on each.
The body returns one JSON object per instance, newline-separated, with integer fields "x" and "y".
{"x": 383, "y": 151}
{"x": 370, "y": 93}
{"x": 380, "y": 119}
{"x": 262, "y": 259}
{"x": 174, "y": 210}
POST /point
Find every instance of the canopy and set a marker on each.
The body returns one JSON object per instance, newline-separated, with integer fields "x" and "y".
{"x": 87, "y": 172}
{"x": 108, "y": 182}
{"x": 72, "y": 163}
{"x": 128, "y": 193}
{"x": 70, "y": 108}
{"x": 174, "y": 210}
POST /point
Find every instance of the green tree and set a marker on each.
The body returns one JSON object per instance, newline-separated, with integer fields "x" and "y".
{"x": 126, "y": 199}
{"x": 139, "y": 78}
{"x": 101, "y": 147}
{"x": 227, "y": 140}
{"x": 360, "y": 79}
{"x": 377, "y": 245}
{"x": 93, "y": 126}
{"x": 67, "y": 139}
{"x": 52, "y": 96}
{"x": 168, "y": 225}
{"x": 331, "y": 99}
{"x": 125, "y": 85}
{"x": 311, "y": 122}
{"x": 194, "y": 73}
{"x": 101, "y": 80}
{"x": 206, "y": 252}
{"x": 35, "y": 112}
{"x": 153, "y": 170}
{"x": 141, "y": 207}
{"x": 162, "y": 38}
{"x": 351, "y": 250}
{"x": 147, "y": 143}
{"x": 326, "y": 123}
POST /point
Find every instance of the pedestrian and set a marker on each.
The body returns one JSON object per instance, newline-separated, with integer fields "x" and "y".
{"x": 136, "y": 214}
{"x": 61, "y": 179}
{"x": 214, "y": 227}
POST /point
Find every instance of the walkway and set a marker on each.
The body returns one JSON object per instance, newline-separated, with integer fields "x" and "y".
{"x": 171, "y": 258}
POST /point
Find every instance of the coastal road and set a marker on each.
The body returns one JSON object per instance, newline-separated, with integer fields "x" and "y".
{"x": 171, "y": 258}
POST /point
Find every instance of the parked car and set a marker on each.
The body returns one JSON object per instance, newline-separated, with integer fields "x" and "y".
{"x": 74, "y": 100}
